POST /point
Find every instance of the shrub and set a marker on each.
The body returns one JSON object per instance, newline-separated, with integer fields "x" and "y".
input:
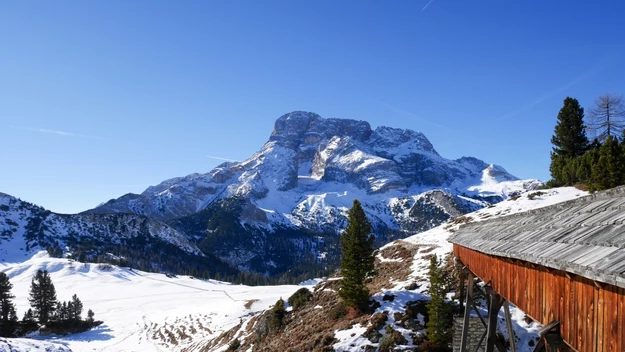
{"x": 431, "y": 346}
{"x": 276, "y": 315}
{"x": 234, "y": 345}
{"x": 387, "y": 343}
{"x": 339, "y": 311}
{"x": 104, "y": 267}
{"x": 300, "y": 297}
{"x": 531, "y": 196}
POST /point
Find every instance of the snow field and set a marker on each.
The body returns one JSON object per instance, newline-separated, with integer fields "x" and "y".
{"x": 142, "y": 311}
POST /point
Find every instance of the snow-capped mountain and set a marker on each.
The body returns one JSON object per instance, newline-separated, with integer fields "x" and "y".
{"x": 124, "y": 238}
{"x": 310, "y": 155}
{"x": 303, "y": 180}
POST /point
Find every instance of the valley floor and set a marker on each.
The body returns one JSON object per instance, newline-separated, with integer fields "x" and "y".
{"x": 141, "y": 311}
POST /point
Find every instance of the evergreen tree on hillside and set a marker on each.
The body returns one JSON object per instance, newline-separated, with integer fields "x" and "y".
{"x": 28, "y": 322}
{"x": 76, "y": 310}
{"x": 439, "y": 325}
{"x": 29, "y": 316}
{"x": 42, "y": 296}
{"x": 90, "y": 315}
{"x": 569, "y": 139}
{"x": 357, "y": 258}
{"x": 609, "y": 171}
{"x": 8, "y": 319}
{"x": 277, "y": 314}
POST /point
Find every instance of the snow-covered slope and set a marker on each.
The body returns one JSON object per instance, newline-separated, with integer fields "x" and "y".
{"x": 306, "y": 177}
{"x": 29, "y": 345}
{"x": 141, "y": 311}
{"x": 27, "y": 226}
{"x": 126, "y": 238}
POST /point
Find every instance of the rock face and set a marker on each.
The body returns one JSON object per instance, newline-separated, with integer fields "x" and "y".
{"x": 303, "y": 180}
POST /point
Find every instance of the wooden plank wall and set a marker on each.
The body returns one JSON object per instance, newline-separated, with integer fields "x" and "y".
{"x": 592, "y": 314}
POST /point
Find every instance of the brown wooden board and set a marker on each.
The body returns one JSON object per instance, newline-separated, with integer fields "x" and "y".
{"x": 592, "y": 315}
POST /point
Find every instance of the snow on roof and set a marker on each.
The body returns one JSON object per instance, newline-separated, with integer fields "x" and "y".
{"x": 584, "y": 236}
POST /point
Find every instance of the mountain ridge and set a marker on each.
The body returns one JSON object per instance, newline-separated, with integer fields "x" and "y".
{"x": 293, "y": 194}
{"x": 125, "y": 238}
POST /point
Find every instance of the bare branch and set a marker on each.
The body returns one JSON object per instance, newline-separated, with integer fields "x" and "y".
{"x": 607, "y": 117}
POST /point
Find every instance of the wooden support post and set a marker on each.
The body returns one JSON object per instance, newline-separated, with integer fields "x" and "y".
{"x": 506, "y": 309}
{"x": 463, "y": 276}
{"x": 493, "y": 310}
{"x": 467, "y": 314}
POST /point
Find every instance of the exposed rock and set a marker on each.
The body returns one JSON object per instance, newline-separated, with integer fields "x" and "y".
{"x": 389, "y": 298}
{"x": 398, "y": 338}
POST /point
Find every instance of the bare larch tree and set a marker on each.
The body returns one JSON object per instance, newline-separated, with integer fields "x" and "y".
{"x": 607, "y": 117}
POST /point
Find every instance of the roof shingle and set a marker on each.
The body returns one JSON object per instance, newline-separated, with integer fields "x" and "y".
{"x": 584, "y": 236}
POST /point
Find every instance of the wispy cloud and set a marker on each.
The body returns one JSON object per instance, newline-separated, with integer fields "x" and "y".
{"x": 426, "y": 5}
{"x": 57, "y": 132}
{"x": 582, "y": 77}
{"x": 219, "y": 158}
{"x": 411, "y": 115}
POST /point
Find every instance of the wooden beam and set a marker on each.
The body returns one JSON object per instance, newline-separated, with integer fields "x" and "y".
{"x": 493, "y": 310}
{"x": 599, "y": 285}
{"x": 511, "y": 337}
{"x": 463, "y": 276}
{"x": 479, "y": 314}
{"x": 479, "y": 344}
{"x": 467, "y": 313}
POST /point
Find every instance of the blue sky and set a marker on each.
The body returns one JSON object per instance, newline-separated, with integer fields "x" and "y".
{"x": 98, "y": 99}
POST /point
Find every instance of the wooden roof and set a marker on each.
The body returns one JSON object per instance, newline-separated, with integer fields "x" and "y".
{"x": 585, "y": 236}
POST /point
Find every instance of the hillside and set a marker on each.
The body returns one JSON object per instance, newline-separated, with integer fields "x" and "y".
{"x": 401, "y": 288}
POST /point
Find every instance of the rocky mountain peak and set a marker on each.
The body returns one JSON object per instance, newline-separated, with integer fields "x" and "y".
{"x": 300, "y": 128}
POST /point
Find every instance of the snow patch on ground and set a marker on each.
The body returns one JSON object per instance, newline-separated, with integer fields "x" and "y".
{"x": 141, "y": 311}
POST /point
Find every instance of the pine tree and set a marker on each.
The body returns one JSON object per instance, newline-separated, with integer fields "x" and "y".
{"x": 90, "y": 315}
{"x": 8, "y": 319}
{"x": 58, "y": 313}
{"x": 28, "y": 323}
{"x": 277, "y": 314}
{"x": 438, "y": 328}
{"x": 65, "y": 311}
{"x": 609, "y": 171}
{"x": 29, "y": 316}
{"x": 76, "y": 313}
{"x": 569, "y": 139}
{"x": 357, "y": 258}
{"x": 42, "y": 296}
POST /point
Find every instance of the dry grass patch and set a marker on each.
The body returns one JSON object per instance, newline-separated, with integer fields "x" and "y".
{"x": 308, "y": 328}
{"x": 402, "y": 253}
{"x": 248, "y": 304}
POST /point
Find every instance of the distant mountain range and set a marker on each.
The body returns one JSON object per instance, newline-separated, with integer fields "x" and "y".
{"x": 281, "y": 210}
